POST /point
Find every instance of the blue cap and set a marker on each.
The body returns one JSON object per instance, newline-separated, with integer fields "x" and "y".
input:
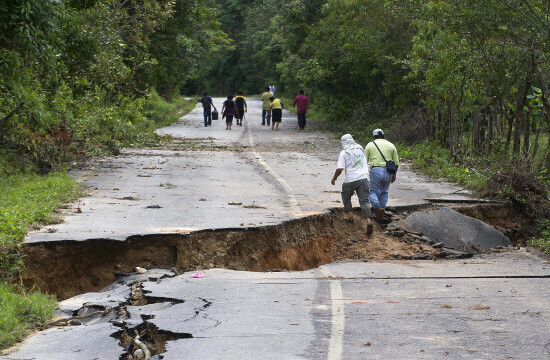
{"x": 377, "y": 132}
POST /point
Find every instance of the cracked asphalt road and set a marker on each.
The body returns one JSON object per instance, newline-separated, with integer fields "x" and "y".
{"x": 493, "y": 306}
{"x": 268, "y": 177}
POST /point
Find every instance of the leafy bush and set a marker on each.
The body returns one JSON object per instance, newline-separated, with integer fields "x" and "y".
{"x": 436, "y": 161}
{"x": 543, "y": 240}
{"x": 164, "y": 112}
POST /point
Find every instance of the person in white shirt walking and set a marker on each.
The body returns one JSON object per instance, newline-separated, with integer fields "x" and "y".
{"x": 272, "y": 88}
{"x": 352, "y": 160}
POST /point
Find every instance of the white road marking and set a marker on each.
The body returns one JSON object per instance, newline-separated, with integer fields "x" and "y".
{"x": 296, "y": 211}
{"x": 335, "y": 345}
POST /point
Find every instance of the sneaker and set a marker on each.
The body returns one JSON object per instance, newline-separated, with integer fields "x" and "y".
{"x": 379, "y": 213}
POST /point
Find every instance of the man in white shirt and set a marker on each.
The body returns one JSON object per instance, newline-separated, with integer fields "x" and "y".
{"x": 352, "y": 160}
{"x": 272, "y": 88}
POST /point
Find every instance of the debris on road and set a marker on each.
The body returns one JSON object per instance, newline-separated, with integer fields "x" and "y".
{"x": 140, "y": 270}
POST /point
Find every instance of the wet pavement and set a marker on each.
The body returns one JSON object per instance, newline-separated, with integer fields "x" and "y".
{"x": 215, "y": 178}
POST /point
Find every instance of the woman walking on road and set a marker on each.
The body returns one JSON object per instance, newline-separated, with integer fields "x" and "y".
{"x": 229, "y": 110}
{"x": 276, "y": 107}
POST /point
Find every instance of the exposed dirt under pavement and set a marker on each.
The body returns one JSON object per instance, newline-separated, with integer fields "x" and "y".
{"x": 69, "y": 268}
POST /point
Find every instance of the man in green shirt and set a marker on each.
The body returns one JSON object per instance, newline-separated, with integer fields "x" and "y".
{"x": 265, "y": 106}
{"x": 380, "y": 178}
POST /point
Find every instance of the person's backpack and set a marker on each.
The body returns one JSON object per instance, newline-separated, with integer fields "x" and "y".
{"x": 239, "y": 101}
{"x": 206, "y": 102}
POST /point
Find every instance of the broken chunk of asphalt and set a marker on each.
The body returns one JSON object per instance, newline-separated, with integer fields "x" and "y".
{"x": 454, "y": 230}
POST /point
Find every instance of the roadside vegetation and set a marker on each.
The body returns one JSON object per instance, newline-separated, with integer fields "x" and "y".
{"x": 81, "y": 78}
{"x": 27, "y": 200}
{"x": 22, "y": 312}
{"x": 542, "y": 241}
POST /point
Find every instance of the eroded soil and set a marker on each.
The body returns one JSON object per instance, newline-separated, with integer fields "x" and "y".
{"x": 69, "y": 268}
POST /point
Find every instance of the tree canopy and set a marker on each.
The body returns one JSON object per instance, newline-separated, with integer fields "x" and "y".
{"x": 470, "y": 74}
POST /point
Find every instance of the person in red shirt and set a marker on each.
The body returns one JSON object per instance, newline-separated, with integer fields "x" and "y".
{"x": 303, "y": 104}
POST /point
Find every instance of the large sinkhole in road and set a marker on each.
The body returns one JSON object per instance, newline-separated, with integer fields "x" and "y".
{"x": 435, "y": 231}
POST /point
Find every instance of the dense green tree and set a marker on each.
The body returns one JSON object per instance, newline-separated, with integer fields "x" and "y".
{"x": 78, "y": 73}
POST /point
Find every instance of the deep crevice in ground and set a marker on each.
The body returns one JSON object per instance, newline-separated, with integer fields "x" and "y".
{"x": 148, "y": 335}
{"x": 68, "y": 268}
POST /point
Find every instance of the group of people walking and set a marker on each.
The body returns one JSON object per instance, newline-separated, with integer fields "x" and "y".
{"x": 231, "y": 109}
{"x": 368, "y": 172}
{"x": 371, "y": 185}
{"x": 272, "y": 109}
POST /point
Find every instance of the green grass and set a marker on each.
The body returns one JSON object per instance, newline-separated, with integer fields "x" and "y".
{"x": 164, "y": 112}
{"x": 26, "y": 200}
{"x": 29, "y": 200}
{"x": 22, "y": 312}
{"x": 436, "y": 161}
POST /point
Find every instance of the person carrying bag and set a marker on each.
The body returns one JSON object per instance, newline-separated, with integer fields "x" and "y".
{"x": 383, "y": 171}
{"x": 390, "y": 165}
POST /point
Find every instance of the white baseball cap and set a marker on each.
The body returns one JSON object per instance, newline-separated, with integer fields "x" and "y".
{"x": 377, "y": 132}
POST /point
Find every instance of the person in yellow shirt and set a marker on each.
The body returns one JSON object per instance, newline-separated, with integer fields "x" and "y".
{"x": 240, "y": 101}
{"x": 265, "y": 106}
{"x": 276, "y": 107}
{"x": 377, "y": 152}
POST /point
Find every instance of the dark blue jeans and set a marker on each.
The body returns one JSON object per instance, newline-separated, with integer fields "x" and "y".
{"x": 301, "y": 120}
{"x": 264, "y": 114}
{"x": 207, "y": 117}
{"x": 380, "y": 180}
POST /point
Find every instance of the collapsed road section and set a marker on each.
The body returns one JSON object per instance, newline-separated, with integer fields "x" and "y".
{"x": 68, "y": 268}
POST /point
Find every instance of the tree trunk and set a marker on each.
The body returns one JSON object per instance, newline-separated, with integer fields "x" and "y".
{"x": 482, "y": 132}
{"x": 461, "y": 130}
{"x": 520, "y": 116}
{"x": 517, "y": 131}
{"x": 510, "y": 119}
{"x": 526, "y": 134}
{"x": 4, "y": 121}
{"x": 536, "y": 146}
{"x": 493, "y": 120}
{"x": 452, "y": 126}
{"x": 476, "y": 117}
